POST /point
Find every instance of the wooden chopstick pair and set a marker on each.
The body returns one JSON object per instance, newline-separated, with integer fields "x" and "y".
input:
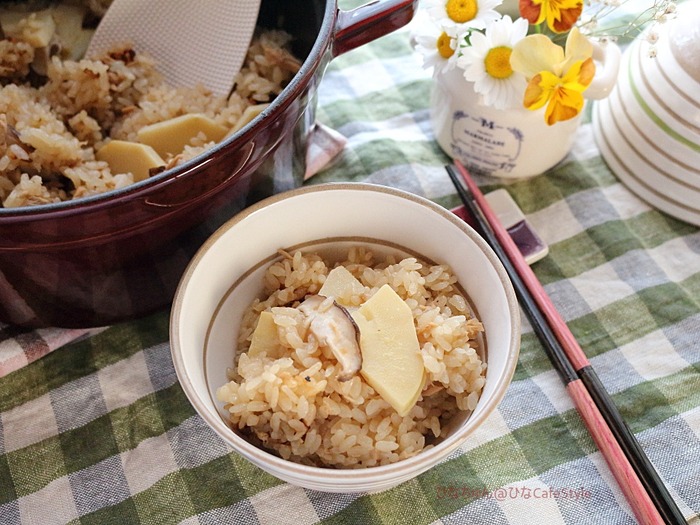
{"x": 636, "y": 476}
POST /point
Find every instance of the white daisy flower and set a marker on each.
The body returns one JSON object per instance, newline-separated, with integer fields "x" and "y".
{"x": 486, "y": 62}
{"x": 461, "y": 15}
{"x": 437, "y": 46}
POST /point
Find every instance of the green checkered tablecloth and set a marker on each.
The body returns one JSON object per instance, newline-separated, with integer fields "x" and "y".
{"x": 99, "y": 430}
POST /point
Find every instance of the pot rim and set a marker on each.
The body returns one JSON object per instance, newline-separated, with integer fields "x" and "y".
{"x": 300, "y": 80}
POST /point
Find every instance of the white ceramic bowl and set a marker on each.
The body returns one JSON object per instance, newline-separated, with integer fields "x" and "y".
{"x": 225, "y": 276}
{"x": 648, "y": 129}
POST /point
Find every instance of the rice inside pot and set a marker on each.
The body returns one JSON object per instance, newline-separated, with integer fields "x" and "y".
{"x": 293, "y": 404}
{"x": 52, "y": 125}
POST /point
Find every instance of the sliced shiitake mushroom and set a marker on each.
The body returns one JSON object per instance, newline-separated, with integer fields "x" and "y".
{"x": 334, "y": 327}
{"x": 42, "y": 57}
{"x": 9, "y": 136}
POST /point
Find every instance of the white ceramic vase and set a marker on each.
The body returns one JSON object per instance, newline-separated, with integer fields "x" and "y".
{"x": 512, "y": 143}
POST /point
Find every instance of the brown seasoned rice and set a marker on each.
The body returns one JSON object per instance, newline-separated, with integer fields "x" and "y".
{"x": 293, "y": 404}
{"x": 49, "y": 132}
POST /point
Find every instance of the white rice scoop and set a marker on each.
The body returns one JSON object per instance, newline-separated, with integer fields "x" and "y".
{"x": 191, "y": 42}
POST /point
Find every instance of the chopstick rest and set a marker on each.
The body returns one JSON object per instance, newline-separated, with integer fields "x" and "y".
{"x": 636, "y": 477}
{"x": 525, "y": 237}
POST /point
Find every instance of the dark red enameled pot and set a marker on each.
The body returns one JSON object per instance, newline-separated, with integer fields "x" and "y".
{"x": 120, "y": 255}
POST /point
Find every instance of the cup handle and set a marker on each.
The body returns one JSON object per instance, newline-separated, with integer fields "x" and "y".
{"x": 370, "y": 21}
{"x": 607, "y": 57}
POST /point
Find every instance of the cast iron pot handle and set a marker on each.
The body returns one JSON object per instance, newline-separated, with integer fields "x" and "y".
{"x": 370, "y": 21}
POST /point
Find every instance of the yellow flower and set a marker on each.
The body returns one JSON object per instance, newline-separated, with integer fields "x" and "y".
{"x": 556, "y": 77}
{"x": 561, "y": 15}
{"x": 563, "y": 95}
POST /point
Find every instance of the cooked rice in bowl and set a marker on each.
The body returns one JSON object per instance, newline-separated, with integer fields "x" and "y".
{"x": 52, "y": 124}
{"x": 291, "y": 401}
